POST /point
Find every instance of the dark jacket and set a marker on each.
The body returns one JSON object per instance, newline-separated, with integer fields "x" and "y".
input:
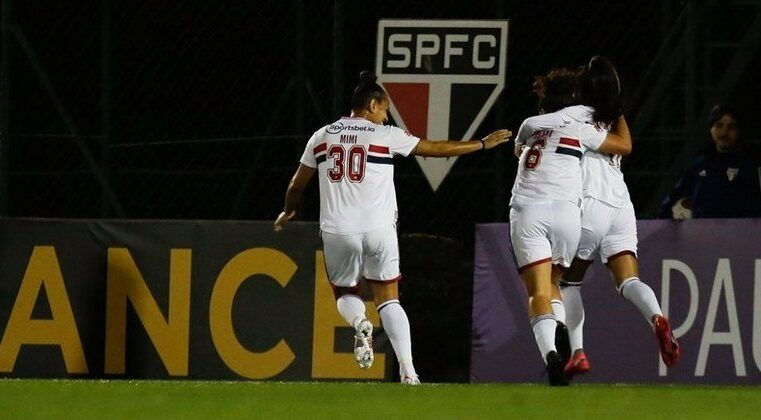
{"x": 720, "y": 185}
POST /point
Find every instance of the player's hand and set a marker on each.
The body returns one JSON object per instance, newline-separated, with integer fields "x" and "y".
{"x": 282, "y": 219}
{"x": 496, "y": 138}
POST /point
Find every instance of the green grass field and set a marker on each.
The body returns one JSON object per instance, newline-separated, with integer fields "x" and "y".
{"x": 206, "y": 399}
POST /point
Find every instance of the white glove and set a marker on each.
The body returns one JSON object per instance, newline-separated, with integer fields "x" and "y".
{"x": 681, "y": 212}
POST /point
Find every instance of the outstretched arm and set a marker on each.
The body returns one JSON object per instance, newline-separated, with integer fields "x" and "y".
{"x": 293, "y": 195}
{"x": 448, "y": 148}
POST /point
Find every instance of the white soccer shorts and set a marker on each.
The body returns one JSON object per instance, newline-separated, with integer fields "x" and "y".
{"x": 547, "y": 231}
{"x": 371, "y": 255}
{"x": 606, "y": 230}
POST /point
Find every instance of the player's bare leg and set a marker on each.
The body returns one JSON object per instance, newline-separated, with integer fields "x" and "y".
{"x": 538, "y": 281}
{"x": 623, "y": 266}
{"x": 397, "y": 327}
{"x": 571, "y": 291}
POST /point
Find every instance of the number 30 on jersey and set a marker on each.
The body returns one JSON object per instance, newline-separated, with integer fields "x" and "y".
{"x": 347, "y": 163}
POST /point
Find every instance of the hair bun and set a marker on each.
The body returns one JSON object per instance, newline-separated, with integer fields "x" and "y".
{"x": 366, "y": 76}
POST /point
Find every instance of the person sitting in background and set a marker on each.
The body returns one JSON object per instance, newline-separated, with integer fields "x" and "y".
{"x": 722, "y": 181}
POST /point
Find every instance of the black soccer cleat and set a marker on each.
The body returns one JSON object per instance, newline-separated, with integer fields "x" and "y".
{"x": 563, "y": 343}
{"x": 555, "y": 370}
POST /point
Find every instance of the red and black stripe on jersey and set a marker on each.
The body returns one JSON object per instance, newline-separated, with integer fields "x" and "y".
{"x": 379, "y": 154}
{"x": 320, "y": 152}
{"x": 569, "y": 146}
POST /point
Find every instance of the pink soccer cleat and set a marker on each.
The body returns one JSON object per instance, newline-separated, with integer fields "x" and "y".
{"x": 577, "y": 365}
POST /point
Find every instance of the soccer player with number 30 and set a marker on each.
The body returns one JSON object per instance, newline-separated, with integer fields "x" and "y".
{"x": 353, "y": 160}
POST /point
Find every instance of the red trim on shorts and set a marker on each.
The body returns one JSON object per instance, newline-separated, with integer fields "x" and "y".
{"x": 320, "y": 148}
{"x": 355, "y": 288}
{"x": 394, "y": 280}
{"x": 339, "y": 291}
{"x": 570, "y": 142}
{"x": 379, "y": 149}
{"x": 621, "y": 254}
{"x": 542, "y": 261}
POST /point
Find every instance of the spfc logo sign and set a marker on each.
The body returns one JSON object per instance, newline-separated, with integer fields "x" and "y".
{"x": 443, "y": 76}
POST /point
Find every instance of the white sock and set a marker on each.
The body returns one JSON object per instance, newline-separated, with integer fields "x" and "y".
{"x": 642, "y": 296}
{"x": 574, "y": 307}
{"x": 351, "y": 308}
{"x": 397, "y": 328}
{"x": 558, "y": 309}
{"x": 544, "y": 333}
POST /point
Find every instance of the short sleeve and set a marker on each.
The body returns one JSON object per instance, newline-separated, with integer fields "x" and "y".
{"x": 308, "y": 157}
{"x": 592, "y": 136}
{"x": 524, "y": 132}
{"x": 400, "y": 142}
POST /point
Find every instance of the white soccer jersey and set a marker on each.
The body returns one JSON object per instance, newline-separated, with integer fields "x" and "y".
{"x": 550, "y": 164}
{"x": 354, "y": 161}
{"x": 601, "y": 172}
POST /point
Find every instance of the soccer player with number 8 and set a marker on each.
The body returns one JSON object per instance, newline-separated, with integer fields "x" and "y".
{"x": 545, "y": 214}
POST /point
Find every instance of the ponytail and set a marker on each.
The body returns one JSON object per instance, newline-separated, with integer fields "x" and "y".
{"x": 601, "y": 90}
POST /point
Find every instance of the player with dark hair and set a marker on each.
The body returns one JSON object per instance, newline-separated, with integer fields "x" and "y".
{"x": 544, "y": 208}
{"x": 353, "y": 160}
{"x": 608, "y": 224}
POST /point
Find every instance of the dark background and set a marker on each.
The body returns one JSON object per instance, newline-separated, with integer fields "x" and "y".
{"x": 192, "y": 109}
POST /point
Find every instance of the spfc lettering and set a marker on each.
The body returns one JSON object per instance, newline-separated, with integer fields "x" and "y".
{"x": 442, "y": 50}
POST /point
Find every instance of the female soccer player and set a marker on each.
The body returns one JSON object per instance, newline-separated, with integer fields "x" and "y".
{"x": 608, "y": 225}
{"x": 353, "y": 159}
{"x": 545, "y": 218}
